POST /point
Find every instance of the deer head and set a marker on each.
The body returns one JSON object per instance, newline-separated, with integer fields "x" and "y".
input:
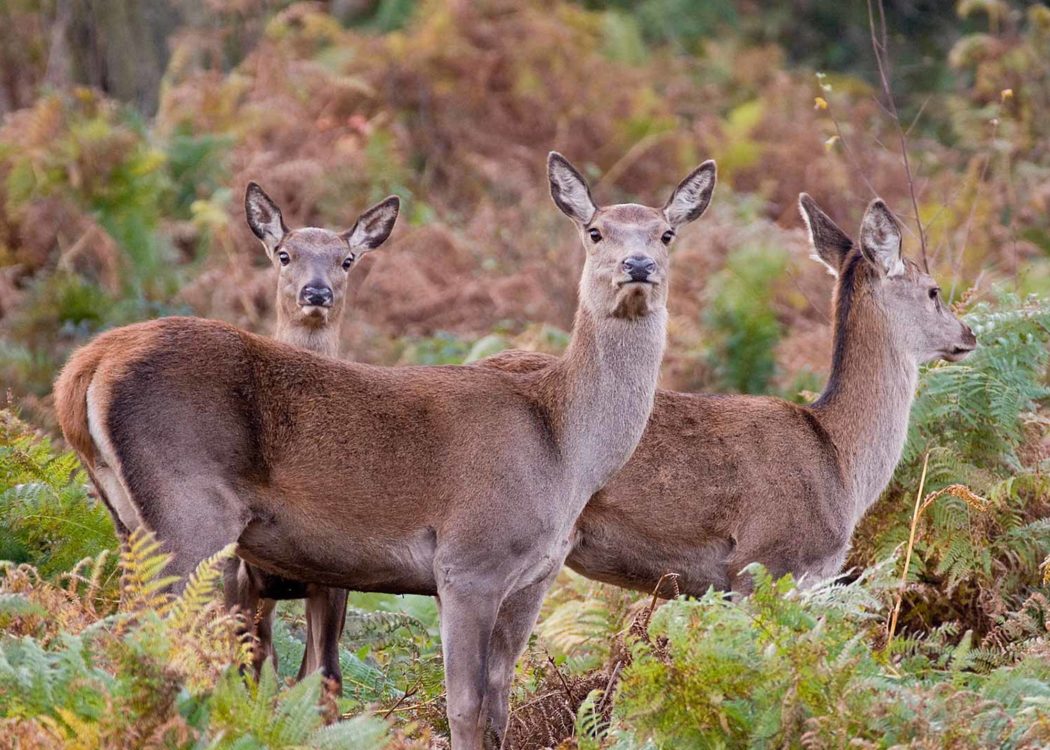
{"x": 313, "y": 264}
{"x": 625, "y": 275}
{"x": 876, "y": 285}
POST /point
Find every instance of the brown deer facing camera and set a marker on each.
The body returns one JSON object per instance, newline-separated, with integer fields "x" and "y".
{"x": 313, "y": 267}
{"x": 719, "y": 482}
{"x": 464, "y": 482}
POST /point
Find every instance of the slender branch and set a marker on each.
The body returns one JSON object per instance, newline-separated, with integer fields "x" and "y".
{"x": 852, "y": 158}
{"x": 878, "y": 46}
{"x": 891, "y": 631}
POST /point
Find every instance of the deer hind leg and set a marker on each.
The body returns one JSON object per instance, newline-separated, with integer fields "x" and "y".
{"x": 242, "y": 592}
{"x": 194, "y": 518}
{"x": 325, "y": 619}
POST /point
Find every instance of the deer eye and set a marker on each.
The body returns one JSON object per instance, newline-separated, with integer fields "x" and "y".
{"x": 284, "y": 258}
{"x": 668, "y": 236}
{"x": 348, "y": 261}
{"x": 934, "y": 292}
{"x": 594, "y": 234}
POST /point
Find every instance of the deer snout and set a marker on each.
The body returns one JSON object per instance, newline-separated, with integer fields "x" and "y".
{"x": 639, "y": 267}
{"x": 969, "y": 340}
{"x": 316, "y": 296}
{"x": 966, "y": 344}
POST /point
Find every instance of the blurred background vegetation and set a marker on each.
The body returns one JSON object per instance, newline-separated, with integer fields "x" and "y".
{"x": 130, "y": 130}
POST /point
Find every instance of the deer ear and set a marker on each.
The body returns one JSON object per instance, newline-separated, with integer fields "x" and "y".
{"x": 880, "y": 239}
{"x": 569, "y": 190}
{"x": 830, "y": 244}
{"x": 264, "y": 217}
{"x": 373, "y": 226}
{"x": 692, "y": 196}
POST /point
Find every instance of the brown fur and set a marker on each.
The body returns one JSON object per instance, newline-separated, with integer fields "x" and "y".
{"x": 463, "y": 482}
{"x": 303, "y": 258}
{"x": 71, "y": 401}
{"x": 719, "y": 482}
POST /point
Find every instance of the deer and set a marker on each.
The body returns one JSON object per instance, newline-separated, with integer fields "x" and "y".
{"x": 719, "y": 482}
{"x": 463, "y": 482}
{"x": 313, "y": 268}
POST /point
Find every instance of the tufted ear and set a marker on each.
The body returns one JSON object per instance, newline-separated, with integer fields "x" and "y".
{"x": 264, "y": 217}
{"x": 880, "y": 239}
{"x": 830, "y": 244}
{"x": 692, "y": 196}
{"x": 373, "y": 226}
{"x": 569, "y": 190}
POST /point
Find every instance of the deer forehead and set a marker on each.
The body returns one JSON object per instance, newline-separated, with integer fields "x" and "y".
{"x": 630, "y": 221}
{"x": 313, "y": 242}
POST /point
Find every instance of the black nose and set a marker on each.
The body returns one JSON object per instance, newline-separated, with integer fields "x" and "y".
{"x": 318, "y": 296}
{"x": 639, "y": 268}
{"x": 969, "y": 338}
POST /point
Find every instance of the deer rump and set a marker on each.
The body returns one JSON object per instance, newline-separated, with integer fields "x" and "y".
{"x": 330, "y": 472}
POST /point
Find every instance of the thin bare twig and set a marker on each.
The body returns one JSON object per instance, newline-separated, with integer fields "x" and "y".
{"x": 879, "y": 48}
{"x": 849, "y": 152}
{"x": 634, "y": 153}
{"x": 408, "y": 694}
{"x": 915, "y": 120}
{"x": 960, "y": 491}
{"x": 656, "y": 595}
{"x": 907, "y": 557}
{"x": 616, "y": 672}
{"x": 564, "y": 684}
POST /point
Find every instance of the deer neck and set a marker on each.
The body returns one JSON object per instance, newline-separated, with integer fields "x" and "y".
{"x": 603, "y": 388}
{"x": 322, "y": 338}
{"x": 866, "y": 404}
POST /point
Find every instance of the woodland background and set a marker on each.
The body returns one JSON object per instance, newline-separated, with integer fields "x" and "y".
{"x": 129, "y": 132}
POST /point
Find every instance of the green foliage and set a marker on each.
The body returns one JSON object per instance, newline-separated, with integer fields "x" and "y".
{"x": 49, "y": 521}
{"x": 581, "y": 620}
{"x": 197, "y": 167}
{"x": 793, "y": 668}
{"x": 977, "y": 406}
{"x": 743, "y": 325}
{"x": 440, "y": 349}
{"x": 76, "y": 673}
{"x": 977, "y": 421}
{"x": 391, "y": 15}
{"x": 392, "y": 648}
{"x": 248, "y": 715}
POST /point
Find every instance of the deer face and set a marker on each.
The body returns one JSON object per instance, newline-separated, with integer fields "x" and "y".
{"x": 313, "y": 265}
{"x": 625, "y": 275}
{"x": 892, "y": 292}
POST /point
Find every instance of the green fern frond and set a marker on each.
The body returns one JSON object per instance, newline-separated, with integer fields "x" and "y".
{"x": 200, "y": 588}
{"x": 142, "y": 562}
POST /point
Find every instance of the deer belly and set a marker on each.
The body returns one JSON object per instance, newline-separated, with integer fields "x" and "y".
{"x": 402, "y": 565}
{"x": 640, "y": 564}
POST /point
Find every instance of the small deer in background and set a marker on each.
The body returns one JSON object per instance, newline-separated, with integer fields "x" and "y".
{"x": 719, "y": 481}
{"x": 313, "y": 267}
